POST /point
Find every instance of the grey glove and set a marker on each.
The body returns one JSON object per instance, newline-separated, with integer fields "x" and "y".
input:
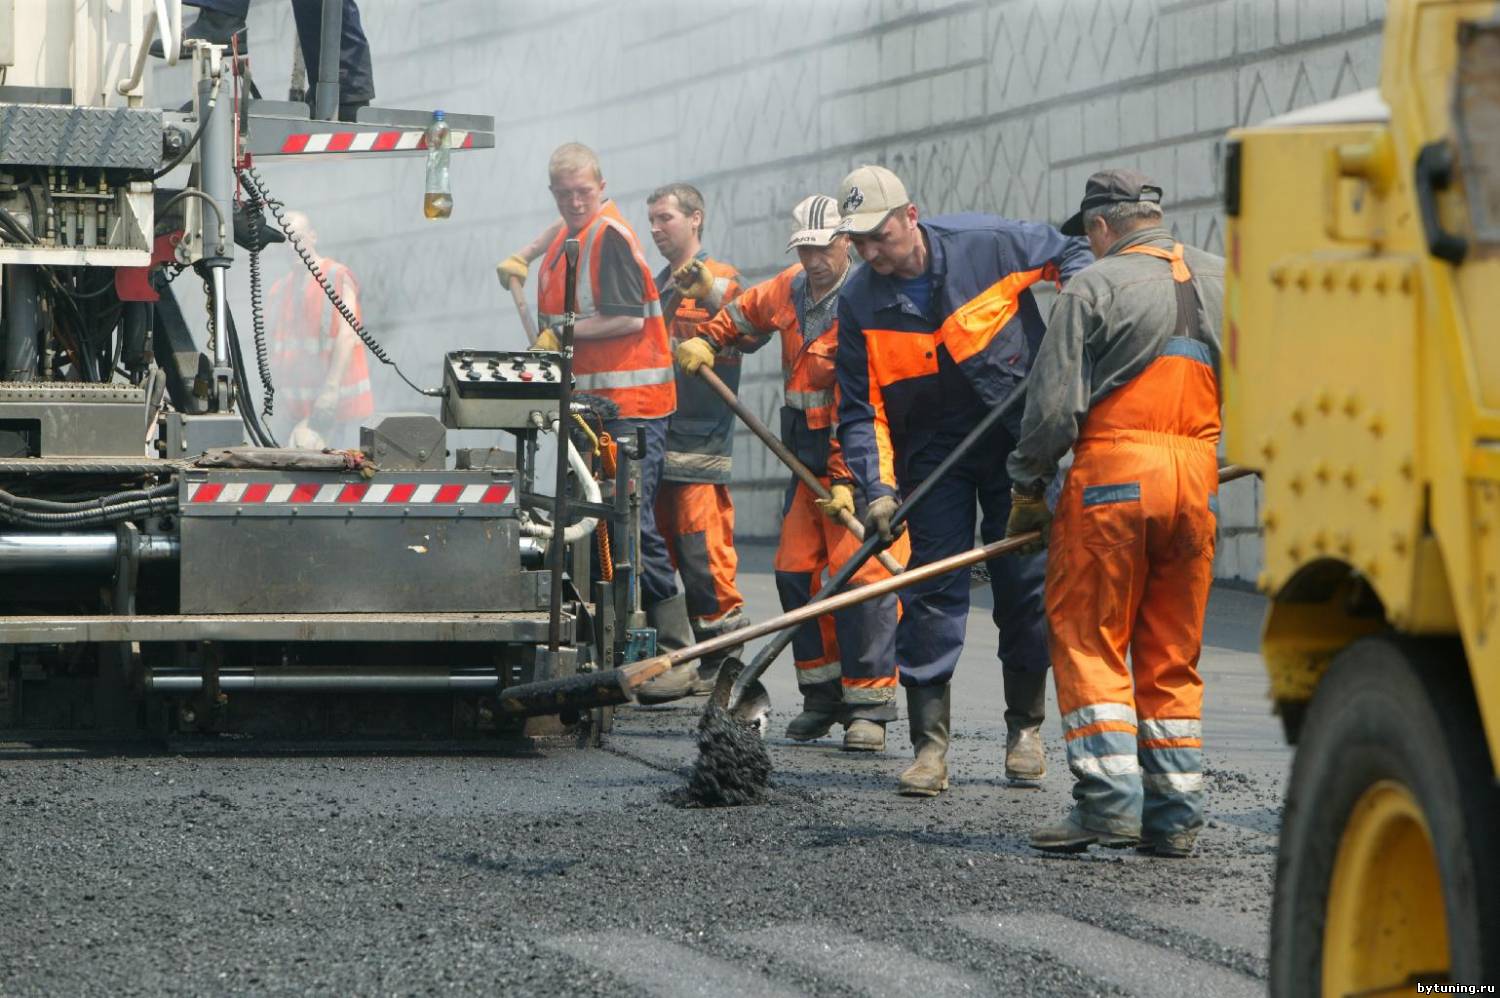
{"x": 878, "y": 519}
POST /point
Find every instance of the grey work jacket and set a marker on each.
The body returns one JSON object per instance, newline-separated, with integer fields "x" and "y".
{"x": 1107, "y": 325}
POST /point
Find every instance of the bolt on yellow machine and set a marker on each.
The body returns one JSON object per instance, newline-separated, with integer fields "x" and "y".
{"x": 1362, "y": 376}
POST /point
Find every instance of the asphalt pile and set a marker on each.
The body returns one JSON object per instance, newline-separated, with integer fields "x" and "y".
{"x": 732, "y": 767}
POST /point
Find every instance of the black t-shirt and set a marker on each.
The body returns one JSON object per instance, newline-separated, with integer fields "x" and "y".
{"x": 622, "y": 284}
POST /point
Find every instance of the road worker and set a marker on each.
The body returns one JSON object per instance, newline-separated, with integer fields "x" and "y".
{"x": 846, "y": 665}
{"x": 321, "y": 376}
{"x": 694, "y": 510}
{"x": 621, "y": 352}
{"x": 1126, "y": 377}
{"x": 938, "y": 327}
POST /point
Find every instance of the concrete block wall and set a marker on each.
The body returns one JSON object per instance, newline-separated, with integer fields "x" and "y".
{"x": 994, "y": 105}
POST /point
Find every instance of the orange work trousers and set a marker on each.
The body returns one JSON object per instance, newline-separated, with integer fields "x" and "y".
{"x": 697, "y": 521}
{"x": 1128, "y": 576}
{"x": 846, "y": 661}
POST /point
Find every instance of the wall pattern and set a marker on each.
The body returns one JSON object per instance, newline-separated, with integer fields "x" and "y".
{"x": 994, "y": 105}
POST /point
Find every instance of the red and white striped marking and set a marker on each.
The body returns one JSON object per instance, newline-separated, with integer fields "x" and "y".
{"x": 386, "y": 141}
{"x": 351, "y": 493}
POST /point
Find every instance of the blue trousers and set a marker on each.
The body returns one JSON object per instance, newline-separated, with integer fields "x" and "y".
{"x": 654, "y": 566}
{"x": 935, "y": 613}
{"x": 356, "y": 78}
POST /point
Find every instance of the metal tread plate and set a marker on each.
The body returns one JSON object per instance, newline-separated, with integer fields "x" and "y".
{"x": 69, "y": 391}
{"x": 503, "y": 626}
{"x": 65, "y": 135}
{"x": 11, "y": 467}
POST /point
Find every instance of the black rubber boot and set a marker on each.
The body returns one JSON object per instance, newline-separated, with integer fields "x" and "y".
{"x": 929, "y": 710}
{"x": 673, "y": 631}
{"x": 1025, "y": 709}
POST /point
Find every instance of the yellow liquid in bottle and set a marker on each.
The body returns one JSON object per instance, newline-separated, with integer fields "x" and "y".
{"x": 437, "y": 205}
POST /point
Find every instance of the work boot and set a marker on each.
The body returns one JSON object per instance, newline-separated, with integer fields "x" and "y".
{"x": 212, "y": 26}
{"x": 1025, "y": 708}
{"x": 811, "y": 724}
{"x": 864, "y": 735}
{"x": 1068, "y": 835}
{"x": 1174, "y": 845}
{"x": 673, "y": 632}
{"x": 928, "y": 708}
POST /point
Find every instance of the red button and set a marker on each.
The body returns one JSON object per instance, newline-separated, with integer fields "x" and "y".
{"x": 526, "y": 376}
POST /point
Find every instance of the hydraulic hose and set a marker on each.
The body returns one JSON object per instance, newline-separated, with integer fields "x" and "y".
{"x": 591, "y": 493}
{"x": 90, "y": 512}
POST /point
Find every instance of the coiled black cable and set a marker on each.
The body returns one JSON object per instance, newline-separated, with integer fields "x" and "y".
{"x": 251, "y": 178}
{"x": 257, "y": 307}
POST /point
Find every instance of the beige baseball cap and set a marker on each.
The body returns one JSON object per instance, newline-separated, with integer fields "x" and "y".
{"x": 867, "y": 196}
{"x": 817, "y": 220}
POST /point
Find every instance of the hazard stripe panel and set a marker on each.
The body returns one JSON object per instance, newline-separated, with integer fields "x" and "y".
{"x": 384, "y": 141}
{"x": 349, "y": 493}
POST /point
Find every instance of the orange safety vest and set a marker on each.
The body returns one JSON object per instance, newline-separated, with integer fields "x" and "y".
{"x": 303, "y": 337}
{"x": 634, "y": 371}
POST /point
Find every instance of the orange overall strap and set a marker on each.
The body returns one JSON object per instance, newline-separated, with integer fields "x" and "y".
{"x": 1187, "y": 293}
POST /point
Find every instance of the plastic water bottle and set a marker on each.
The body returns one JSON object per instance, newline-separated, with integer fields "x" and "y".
{"x": 438, "y": 202}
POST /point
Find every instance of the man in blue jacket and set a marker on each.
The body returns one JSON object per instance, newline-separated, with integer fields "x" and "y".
{"x": 936, "y": 329}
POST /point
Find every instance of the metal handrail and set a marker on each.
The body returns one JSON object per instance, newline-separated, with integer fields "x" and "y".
{"x": 167, "y": 13}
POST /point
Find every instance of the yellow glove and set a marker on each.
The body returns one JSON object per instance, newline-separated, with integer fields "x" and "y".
{"x": 840, "y": 500}
{"x": 514, "y": 265}
{"x": 694, "y": 279}
{"x": 1028, "y": 513}
{"x": 694, "y": 353}
{"x": 547, "y": 340}
{"x": 878, "y": 519}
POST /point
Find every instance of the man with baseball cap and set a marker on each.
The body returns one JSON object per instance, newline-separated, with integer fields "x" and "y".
{"x": 846, "y": 666}
{"x": 936, "y": 329}
{"x": 1126, "y": 378}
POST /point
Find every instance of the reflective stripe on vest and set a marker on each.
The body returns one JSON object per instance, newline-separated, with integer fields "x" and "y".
{"x": 625, "y": 379}
{"x": 809, "y": 400}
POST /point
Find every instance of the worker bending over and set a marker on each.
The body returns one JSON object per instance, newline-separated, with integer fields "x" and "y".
{"x": 621, "y": 353}
{"x": 693, "y": 508}
{"x": 846, "y": 665}
{"x": 939, "y": 327}
{"x": 1127, "y": 378}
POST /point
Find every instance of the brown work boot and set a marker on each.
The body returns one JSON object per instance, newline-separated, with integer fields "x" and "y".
{"x": 928, "y": 708}
{"x": 1175, "y": 845}
{"x": 1025, "y": 708}
{"x": 811, "y": 724}
{"x": 863, "y": 735}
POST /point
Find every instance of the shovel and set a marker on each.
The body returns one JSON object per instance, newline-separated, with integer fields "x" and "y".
{"x": 803, "y": 472}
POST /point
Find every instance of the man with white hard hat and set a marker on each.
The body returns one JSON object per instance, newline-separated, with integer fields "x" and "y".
{"x": 846, "y": 666}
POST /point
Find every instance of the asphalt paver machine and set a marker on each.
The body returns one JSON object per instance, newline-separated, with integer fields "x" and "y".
{"x": 165, "y": 567}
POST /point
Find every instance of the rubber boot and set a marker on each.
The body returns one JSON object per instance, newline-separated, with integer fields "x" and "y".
{"x": 1025, "y": 708}
{"x": 814, "y": 722}
{"x": 673, "y": 631}
{"x": 864, "y": 735}
{"x": 929, "y": 710}
{"x": 708, "y": 668}
{"x": 212, "y": 26}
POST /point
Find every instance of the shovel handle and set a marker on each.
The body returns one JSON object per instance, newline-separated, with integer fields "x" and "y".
{"x": 518, "y": 295}
{"x": 803, "y": 473}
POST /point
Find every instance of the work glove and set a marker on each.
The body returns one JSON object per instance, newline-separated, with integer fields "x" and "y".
{"x": 878, "y": 519}
{"x": 304, "y": 437}
{"x": 514, "y": 265}
{"x": 547, "y": 340}
{"x": 1027, "y": 513}
{"x": 326, "y": 405}
{"x": 694, "y": 353}
{"x": 694, "y": 279}
{"x": 840, "y": 500}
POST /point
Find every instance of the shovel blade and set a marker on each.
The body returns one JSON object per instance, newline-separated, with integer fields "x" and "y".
{"x": 754, "y": 708}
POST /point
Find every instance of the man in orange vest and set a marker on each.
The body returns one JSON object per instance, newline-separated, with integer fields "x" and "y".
{"x": 694, "y": 510}
{"x": 846, "y": 662}
{"x": 1127, "y": 378}
{"x": 318, "y": 363}
{"x": 622, "y": 353}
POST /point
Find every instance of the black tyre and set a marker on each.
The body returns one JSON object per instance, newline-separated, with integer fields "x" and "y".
{"x": 1387, "y": 873}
